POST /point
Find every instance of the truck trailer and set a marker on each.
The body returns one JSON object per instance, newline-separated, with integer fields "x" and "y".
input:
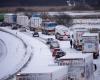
{"x": 80, "y": 66}
{"x": 22, "y": 21}
{"x": 35, "y": 23}
{"x": 10, "y": 18}
{"x": 90, "y": 44}
{"x": 77, "y": 37}
{"x": 44, "y": 73}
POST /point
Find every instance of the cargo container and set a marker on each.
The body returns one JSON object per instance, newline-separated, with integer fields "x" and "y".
{"x": 22, "y": 21}
{"x": 48, "y": 27}
{"x": 10, "y": 18}
{"x": 77, "y": 37}
{"x": 44, "y": 73}
{"x": 35, "y": 23}
{"x": 62, "y": 32}
{"x": 90, "y": 43}
{"x": 80, "y": 66}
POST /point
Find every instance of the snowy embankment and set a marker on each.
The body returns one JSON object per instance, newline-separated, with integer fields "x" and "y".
{"x": 42, "y": 55}
{"x": 18, "y": 53}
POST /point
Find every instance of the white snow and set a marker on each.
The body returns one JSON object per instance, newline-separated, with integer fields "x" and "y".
{"x": 75, "y": 56}
{"x": 14, "y": 55}
{"x": 43, "y": 69}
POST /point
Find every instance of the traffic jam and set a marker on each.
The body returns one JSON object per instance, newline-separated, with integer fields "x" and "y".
{"x": 81, "y": 39}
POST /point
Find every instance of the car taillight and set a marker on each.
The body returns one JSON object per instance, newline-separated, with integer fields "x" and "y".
{"x": 65, "y": 33}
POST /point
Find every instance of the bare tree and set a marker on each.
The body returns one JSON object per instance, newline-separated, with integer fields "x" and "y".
{"x": 64, "y": 19}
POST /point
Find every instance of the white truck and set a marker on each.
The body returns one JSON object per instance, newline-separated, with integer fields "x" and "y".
{"x": 35, "y": 23}
{"x": 77, "y": 37}
{"x": 62, "y": 32}
{"x": 10, "y": 18}
{"x": 80, "y": 66}
{"x": 44, "y": 73}
{"x": 90, "y": 44}
{"x": 48, "y": 27}
{"x": 22, "y": 20}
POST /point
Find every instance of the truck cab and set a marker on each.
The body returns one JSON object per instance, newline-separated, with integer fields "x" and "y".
{"x": 62, "y": 32}
{"x": 48, "y": 27}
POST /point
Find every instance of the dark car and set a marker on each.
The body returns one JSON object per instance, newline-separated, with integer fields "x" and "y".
{"x": 49, "y": 40}
{"x": 59, "y": 54}
{"x": 54, "y": 51}
{"x": 14, "y": 27}
{"x": 5, "y": 24}
{"x": 54, "y": 44}
{"x": 35, "y": 34}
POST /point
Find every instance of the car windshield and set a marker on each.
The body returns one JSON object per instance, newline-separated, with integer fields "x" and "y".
{"x": 65, "y": 30}
{"x": 54, "y": 44}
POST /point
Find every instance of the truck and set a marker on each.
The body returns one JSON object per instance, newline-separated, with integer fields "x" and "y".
{"x": 35, "y": 23}
{"x": 22, "y": 21}
{"x": 62, "y": 32}
{"x": 44, "y": 73}
{"x": 77, "y": 37}
{"x": 48, "y": 27}
{"x": 80, "y": 66}
{"x": 10, "y": 18}
{"x": 90, "y": 44}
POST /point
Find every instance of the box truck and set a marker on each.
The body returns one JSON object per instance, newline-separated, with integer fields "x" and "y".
{"x": 62, "y": 32}
{"x": 90, "y": 44}
{"x": 80, "y": 66}
{"x": 35, "y": 23}
{"x": 22, "y": 21}
{"x": 48, "y": 27}
{"x": 77, "y": 37}
{"x": 44, "y": 73}
{"x": 10, "y": 18}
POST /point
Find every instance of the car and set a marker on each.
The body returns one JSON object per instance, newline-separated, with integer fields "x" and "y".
{"x": 54, "y": 44}
{"x": 54, "y": 51}
{"x": 5, "y": 24}
{"x": 60, "y": 54}
{"x": 35, "y": 34}
{"x": 14, "y": 27}
{"x": 49, "y": 40}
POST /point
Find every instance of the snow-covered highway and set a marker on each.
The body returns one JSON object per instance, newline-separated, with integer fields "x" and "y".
{"x": 14, "y": 54}
{"x": 41, "y": 55}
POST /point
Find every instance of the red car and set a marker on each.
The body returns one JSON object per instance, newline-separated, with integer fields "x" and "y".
{"x": 54, "y": 51}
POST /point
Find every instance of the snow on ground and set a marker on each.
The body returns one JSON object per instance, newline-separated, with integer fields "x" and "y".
{"x": 3, "y": 50}
{"x": 14, "y": 55}
{"x": 46, "y": 36}
{"x": 42, "y": 55}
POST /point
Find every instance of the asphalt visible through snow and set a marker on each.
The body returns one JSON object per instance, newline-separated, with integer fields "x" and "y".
{"x": 3, "y": 49}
